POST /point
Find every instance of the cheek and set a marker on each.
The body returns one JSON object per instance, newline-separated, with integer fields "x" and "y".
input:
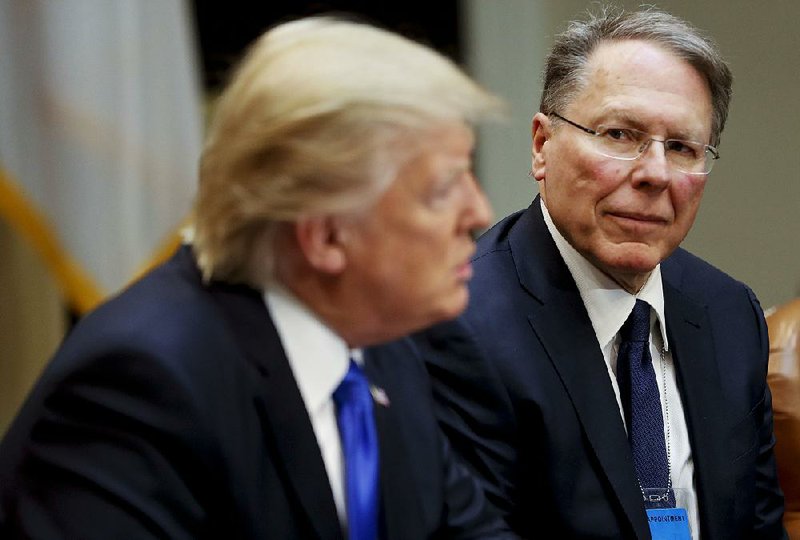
{"x": 418, "y": 256}
{"x": 436, "y": 260}
{"x": 605, "y": 176}
{"x": 587, "y": 187}
{"x": 591, "y": 176}
{"x": 431, "y": 256}
{"x": 686, "y": 196}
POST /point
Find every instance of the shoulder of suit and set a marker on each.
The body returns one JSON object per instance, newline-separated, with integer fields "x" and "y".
{"x": 496, "y": 238}
{"x": 167, "y": 309}
{"x": 698, "y": 278}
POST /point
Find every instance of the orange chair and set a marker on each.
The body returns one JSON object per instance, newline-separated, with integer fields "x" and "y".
{"x": 784, "y": 382}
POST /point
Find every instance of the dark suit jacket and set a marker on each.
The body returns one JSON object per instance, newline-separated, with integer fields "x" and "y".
{"x": 524, "y": 395}
{"x": 172, "y": 412}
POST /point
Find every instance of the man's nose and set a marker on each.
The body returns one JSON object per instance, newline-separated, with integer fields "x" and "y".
{"x": 652, "y": 166}
{"x": 478, "y": 209}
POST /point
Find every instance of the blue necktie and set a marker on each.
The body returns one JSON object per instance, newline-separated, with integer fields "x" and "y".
{"x": 641, "y": 402}
{"x": 361, "y": 457}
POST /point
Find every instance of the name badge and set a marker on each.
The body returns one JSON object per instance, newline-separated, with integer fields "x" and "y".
{"x": 669, "y": 524}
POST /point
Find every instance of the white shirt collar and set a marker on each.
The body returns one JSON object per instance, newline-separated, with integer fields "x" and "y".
{"x": 319, "y": 358}
{"x": 607, "y": 304}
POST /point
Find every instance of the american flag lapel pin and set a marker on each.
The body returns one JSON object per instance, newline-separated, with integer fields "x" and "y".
{"x": 379, "y": 396}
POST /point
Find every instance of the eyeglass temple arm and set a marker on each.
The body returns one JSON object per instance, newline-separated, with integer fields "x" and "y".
{"x": 570, "y": 122}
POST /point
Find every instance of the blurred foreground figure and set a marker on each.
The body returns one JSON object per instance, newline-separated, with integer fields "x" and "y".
{"x": 604, "y": 382}
{"x": 237, "y": 391}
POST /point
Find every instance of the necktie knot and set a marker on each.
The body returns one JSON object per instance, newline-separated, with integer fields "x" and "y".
{"x": 353, "y": 386}
{"x": 637, "y": 325}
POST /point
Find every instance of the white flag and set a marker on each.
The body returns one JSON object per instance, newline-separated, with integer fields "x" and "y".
{"x": 100, "y": 134}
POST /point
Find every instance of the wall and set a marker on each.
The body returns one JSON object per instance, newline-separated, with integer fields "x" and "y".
{"x": 749, "y": 222}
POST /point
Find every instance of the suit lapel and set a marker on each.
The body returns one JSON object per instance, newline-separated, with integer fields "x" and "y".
{"x": 399, "y": 500}
{"x": 563, "y": 327}
{"x": 285, "y": 421}
{"x": 699, "y": 384}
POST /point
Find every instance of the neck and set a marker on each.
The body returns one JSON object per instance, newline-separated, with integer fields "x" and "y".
{"x": 343, "y": 310}
{"x": 632, "y": 283}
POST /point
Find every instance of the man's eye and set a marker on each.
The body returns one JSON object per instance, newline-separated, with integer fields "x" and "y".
{"x": 442, "y": 192}
{"x": 619, "y": 134}
{"x": 448, "y": 188}
{"x": 439, "y": 193}
{"x": 682, "y": 148}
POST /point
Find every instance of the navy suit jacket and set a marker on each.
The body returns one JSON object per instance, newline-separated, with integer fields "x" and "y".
{"x": 524, "y": 395}
{"x": 172, "y": 412}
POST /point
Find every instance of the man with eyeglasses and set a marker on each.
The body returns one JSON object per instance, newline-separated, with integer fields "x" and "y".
{"x": 605, "y": 383}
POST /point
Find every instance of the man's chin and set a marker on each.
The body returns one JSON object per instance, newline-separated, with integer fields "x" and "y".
{"x": 454, "y": 307}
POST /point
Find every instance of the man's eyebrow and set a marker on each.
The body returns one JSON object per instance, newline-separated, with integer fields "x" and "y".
{"x": 623, "y": 116}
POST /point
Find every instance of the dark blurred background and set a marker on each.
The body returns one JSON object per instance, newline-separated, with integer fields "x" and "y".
{"x": 225, "y": 31}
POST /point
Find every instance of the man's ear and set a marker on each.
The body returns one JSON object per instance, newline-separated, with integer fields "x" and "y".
{"x": 319, "y": 239}
{"x": 540, "y": 134}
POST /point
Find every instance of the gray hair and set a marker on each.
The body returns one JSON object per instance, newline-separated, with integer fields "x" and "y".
{"x": 565, "y": 66}
{"x": 318, "y": 119}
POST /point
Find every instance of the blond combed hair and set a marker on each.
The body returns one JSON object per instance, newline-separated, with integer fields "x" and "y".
{"x": 318, "y": 119}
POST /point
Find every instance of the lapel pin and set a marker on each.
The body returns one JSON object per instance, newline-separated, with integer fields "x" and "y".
{"x": 379, "y": 396}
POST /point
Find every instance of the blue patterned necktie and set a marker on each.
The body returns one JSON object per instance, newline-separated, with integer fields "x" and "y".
{"x": 361, "y": 456}
{"x": 641, "y": 402}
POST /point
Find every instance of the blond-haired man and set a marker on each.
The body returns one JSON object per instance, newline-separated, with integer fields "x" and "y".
{"x": 334, "y": 213}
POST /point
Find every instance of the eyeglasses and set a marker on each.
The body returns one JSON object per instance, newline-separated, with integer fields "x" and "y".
{"x": 628, "y": 144}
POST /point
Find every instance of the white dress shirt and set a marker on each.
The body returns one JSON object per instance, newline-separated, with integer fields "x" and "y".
{"x": 319, "y": 359}
{"x": 608, "y": 306}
